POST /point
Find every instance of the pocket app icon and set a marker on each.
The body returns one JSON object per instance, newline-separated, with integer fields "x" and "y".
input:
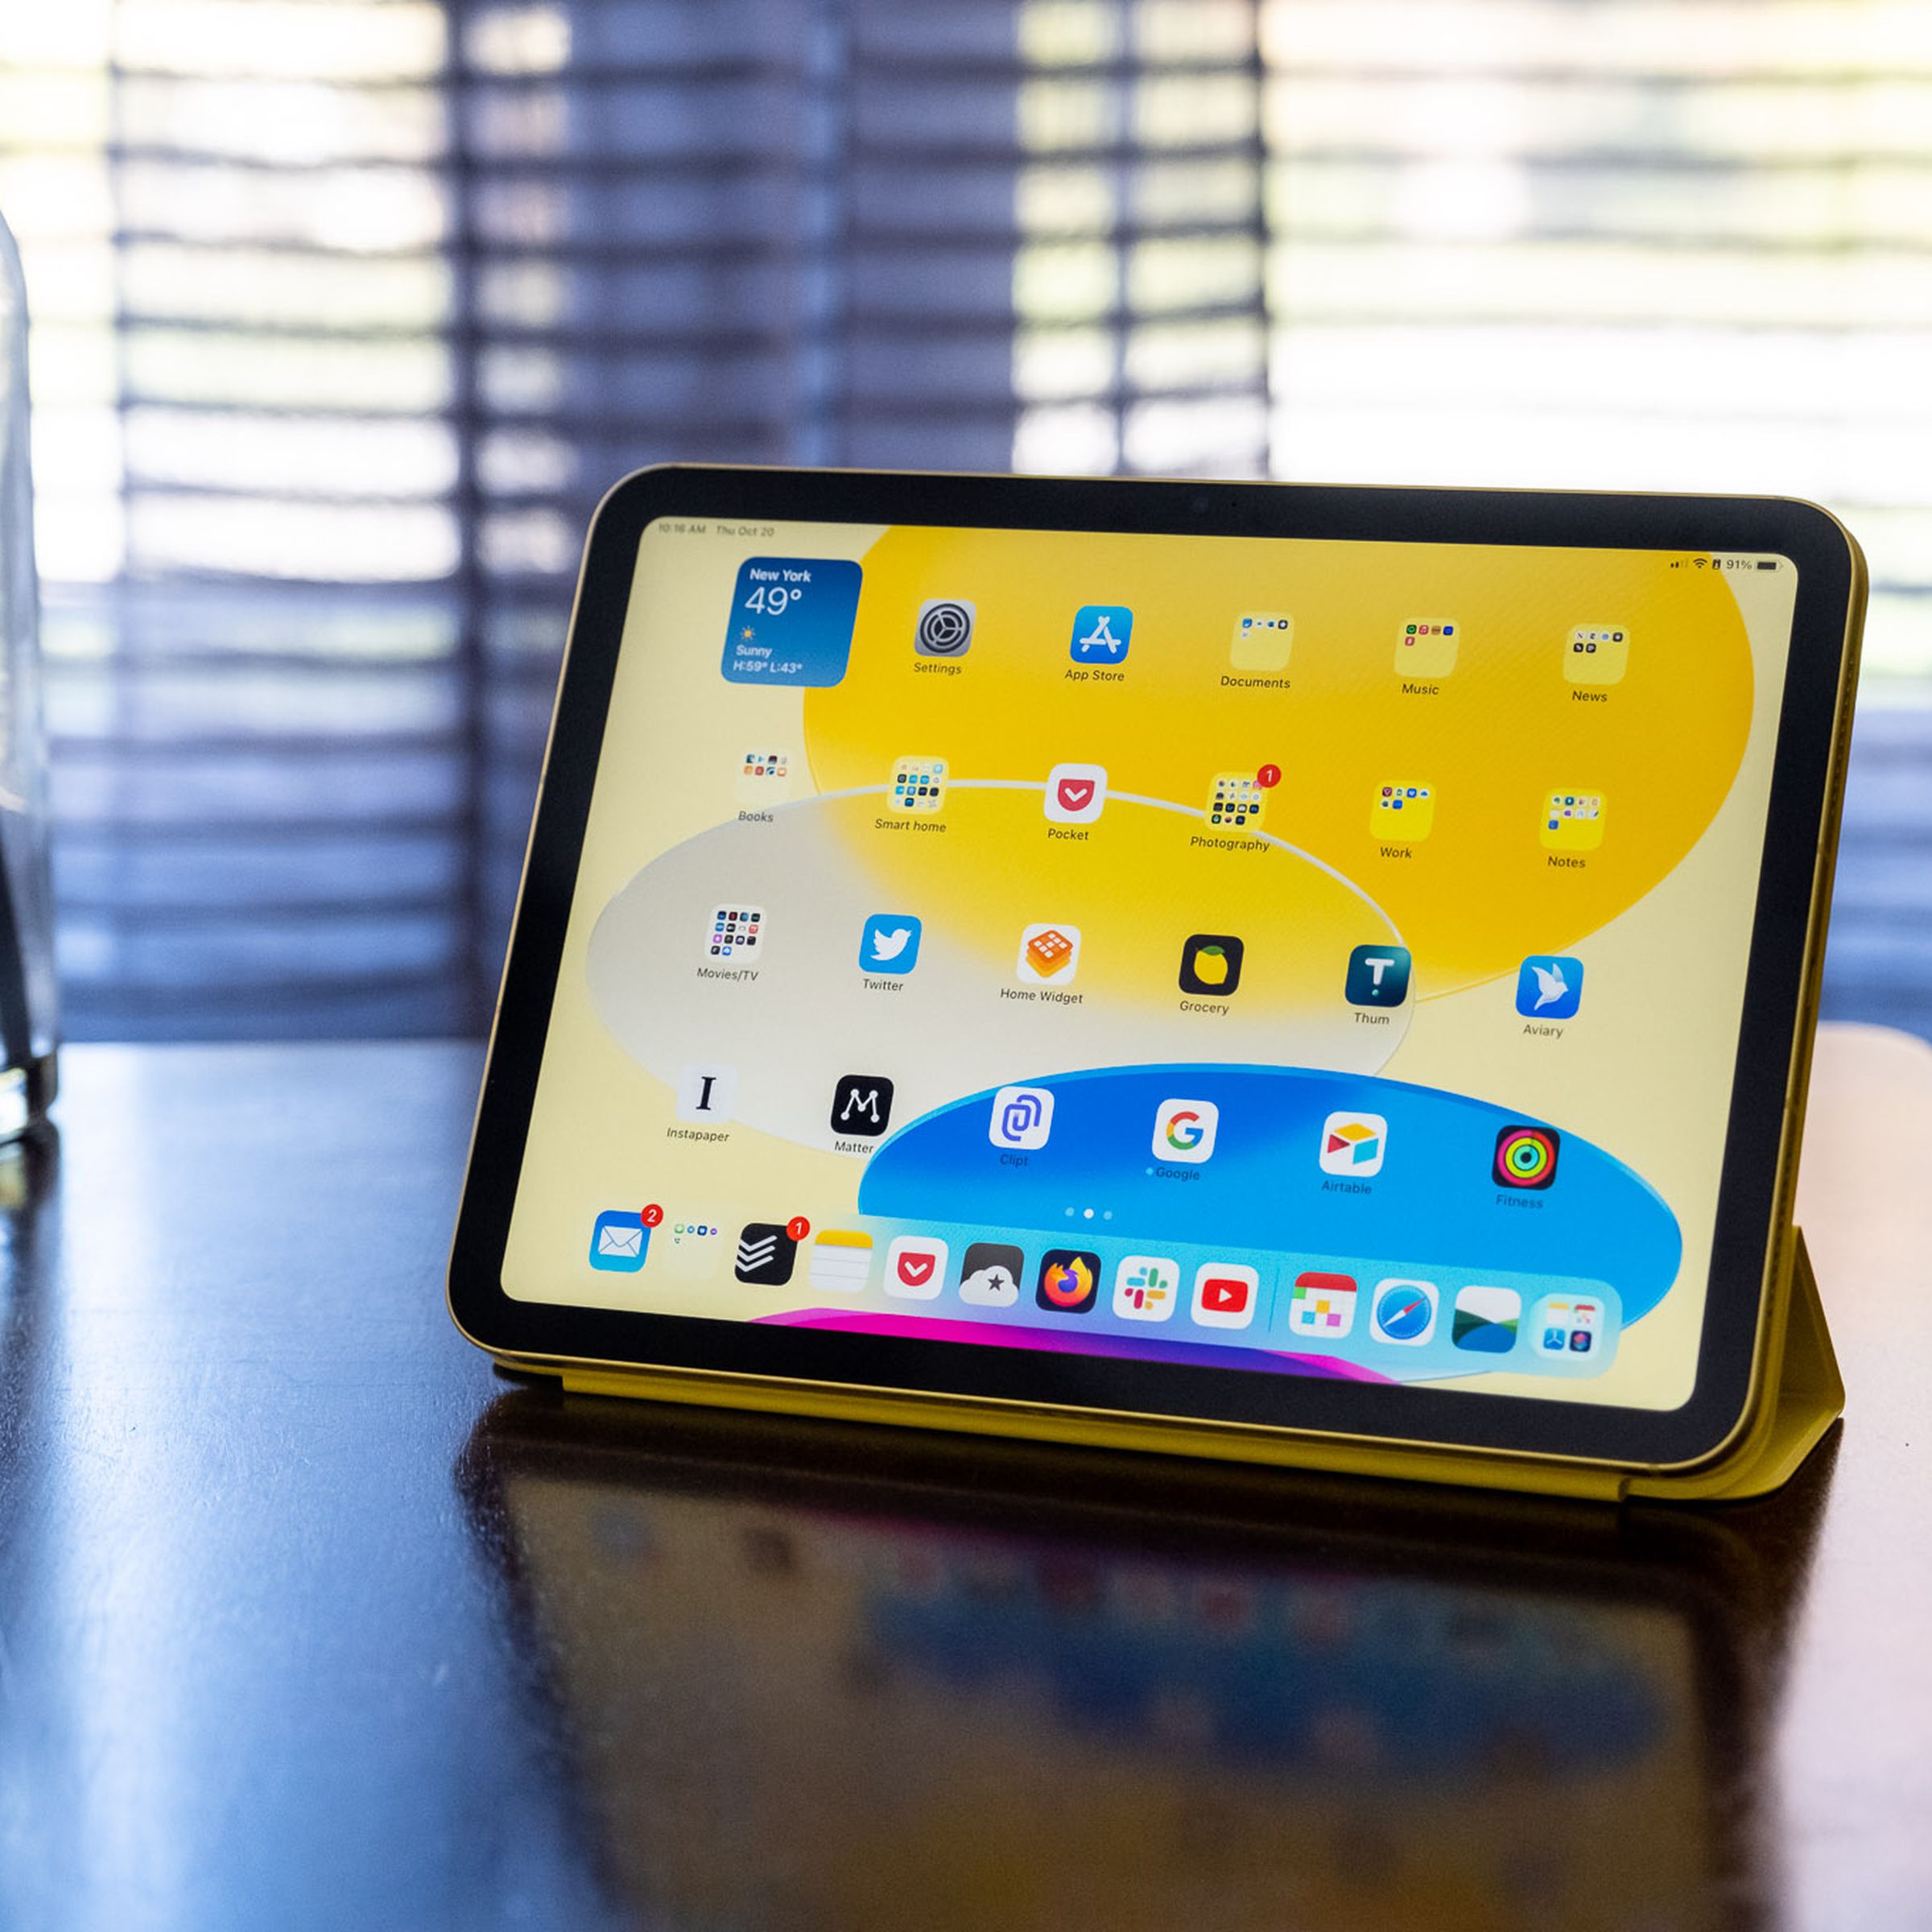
{"x": 915, "y": 1268}
{"x": 1075, "y": 794}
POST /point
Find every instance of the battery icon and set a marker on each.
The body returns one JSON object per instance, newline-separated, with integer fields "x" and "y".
{"x": 1767, "y": 562}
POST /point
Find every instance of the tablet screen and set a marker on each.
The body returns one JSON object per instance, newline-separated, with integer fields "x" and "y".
{"x": 1303, "y": 956}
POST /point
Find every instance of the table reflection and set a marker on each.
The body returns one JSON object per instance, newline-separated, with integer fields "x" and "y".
{"x": 815, "y": 1676}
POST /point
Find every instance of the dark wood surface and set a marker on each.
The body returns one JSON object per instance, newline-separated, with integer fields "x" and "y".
{"x": 308, "y": 1619}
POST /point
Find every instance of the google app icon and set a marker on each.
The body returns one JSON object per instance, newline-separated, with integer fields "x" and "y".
{"x": 1183, "y": 1130}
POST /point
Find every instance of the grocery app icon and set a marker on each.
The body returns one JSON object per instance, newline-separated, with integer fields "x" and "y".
{"x": 1485, "y": 1319}
{"x": 1146, "y": 1288}
{"x": 1426, "y": 649}
{"x": 1101, "y": 633}
{"x": 1550, "y": 986}
{"x": 1378, "y": 975}
{"x": 1211, "y": 963}
{"x": 918, "y": 785}
{"x": 1402, "y": 815}
{"x": 765, "y": 1255}
{"x": 915, "y": 1268}
{"x": 1225, "y": 1294}
{"x": 619, "y": 1241}
{"x": 989, "y": 1276}
{"x": 1050, "y": 953}
{"x": 1322, "y": 1307}
{"x": 1070, "y": 1281}
{"x": 707, "y": 1093}
{"x": 1075, "y": 794}
{"x": 1403, "y": 1311}
{"x": 1263, "y": 641}
{"x": 890, "y": 943}
{"x": 1236, "y": 798}
{"x": 1184, "y": 1130}
{"x": 1526, "y": 1157}
{"x": 1354, "y": 1144}
{"x": 1597, "y": 653}
{"x": 1021, "y": 1118}
{"x": 1567, "y": 1325}
{"x": 1573, "y": 821}
{"x": 944, "y": 629}
{"x": 840, "y": 1261}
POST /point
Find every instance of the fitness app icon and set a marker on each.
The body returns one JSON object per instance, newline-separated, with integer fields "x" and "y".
{"x": 1526, "y": 1157}
{"x": 944, "y": 629}
{"x": 1021, "y": 1118}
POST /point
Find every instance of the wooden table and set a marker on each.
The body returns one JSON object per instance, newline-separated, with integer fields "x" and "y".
{"x": 307, "y": 1620}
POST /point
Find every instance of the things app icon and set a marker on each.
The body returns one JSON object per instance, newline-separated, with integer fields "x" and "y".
{"x": 1075, "y": 794}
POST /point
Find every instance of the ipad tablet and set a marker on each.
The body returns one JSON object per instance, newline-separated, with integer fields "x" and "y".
{"x": 1336, "y": 963}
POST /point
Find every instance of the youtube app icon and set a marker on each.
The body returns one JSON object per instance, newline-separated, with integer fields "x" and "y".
{"x": 1225, "y": 1295}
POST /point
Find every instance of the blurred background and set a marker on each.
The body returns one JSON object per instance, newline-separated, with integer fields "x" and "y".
{"x": 346, "y": 312}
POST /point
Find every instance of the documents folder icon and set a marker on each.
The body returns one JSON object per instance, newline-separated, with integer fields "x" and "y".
{"x": 619, "y": 1241}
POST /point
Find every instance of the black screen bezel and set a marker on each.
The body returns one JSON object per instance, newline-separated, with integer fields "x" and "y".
{"x": 1801, "y": 807}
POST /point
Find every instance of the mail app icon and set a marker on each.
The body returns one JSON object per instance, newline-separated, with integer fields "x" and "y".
{"x": 619, "y": 1241}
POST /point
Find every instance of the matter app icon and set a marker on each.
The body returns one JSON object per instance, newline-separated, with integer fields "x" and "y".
{"x": 1021, "y": 1118}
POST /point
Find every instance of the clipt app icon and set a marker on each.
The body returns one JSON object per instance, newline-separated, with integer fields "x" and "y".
{"x": 1184, "y": 1130}
{"x": 1075, "y": 794}
{"x": 1263, "y": 641}
{"x": 619, "y": 1241}
{"x": 1526, "y": 1157}
{"x": 944, "y": 629}
{"x": 1322, "y": 1307}
{"x": 915, "y": 1268}
{"x": 765, "y": 1255}
{"x": 1211, "y": 963}
{"x": 989, "y": 1276}
{"x": 1378, "y": 975}
{"x": 1570, "y": 1325}
{"x": 1225, "y": 1294}
{"x": 1021, "y": 1118}
{"x": 890, "y": 944}
{"x": 1146, "y": 1288}
{"x": 1403, "y": 1311}
{"x": 1101, "y": 633}
{"x": 1485, "y": 1319}
{"x": 1354, "y": 1144}
{"x": 1549, "y": 986}
{"x": 791, "y": 620}
{"x": 1050, "y": 954}
{"x": 861, "y": 1105}
{"x": 707, "y": 1093}
{"x": 1070, "y": 1281}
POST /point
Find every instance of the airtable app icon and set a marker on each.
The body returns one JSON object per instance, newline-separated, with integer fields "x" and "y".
{"x": 1354, "y": 1144}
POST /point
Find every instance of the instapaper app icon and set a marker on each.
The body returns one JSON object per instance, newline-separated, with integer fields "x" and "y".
{"x": 1022, "y": 1118}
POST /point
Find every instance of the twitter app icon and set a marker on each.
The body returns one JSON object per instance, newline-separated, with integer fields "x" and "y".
{"x": 890, "y": 943}
{"x": 1550, "y": 986}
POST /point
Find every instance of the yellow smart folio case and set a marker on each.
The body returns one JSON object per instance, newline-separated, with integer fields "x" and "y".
{"x": 968, "y": 888}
